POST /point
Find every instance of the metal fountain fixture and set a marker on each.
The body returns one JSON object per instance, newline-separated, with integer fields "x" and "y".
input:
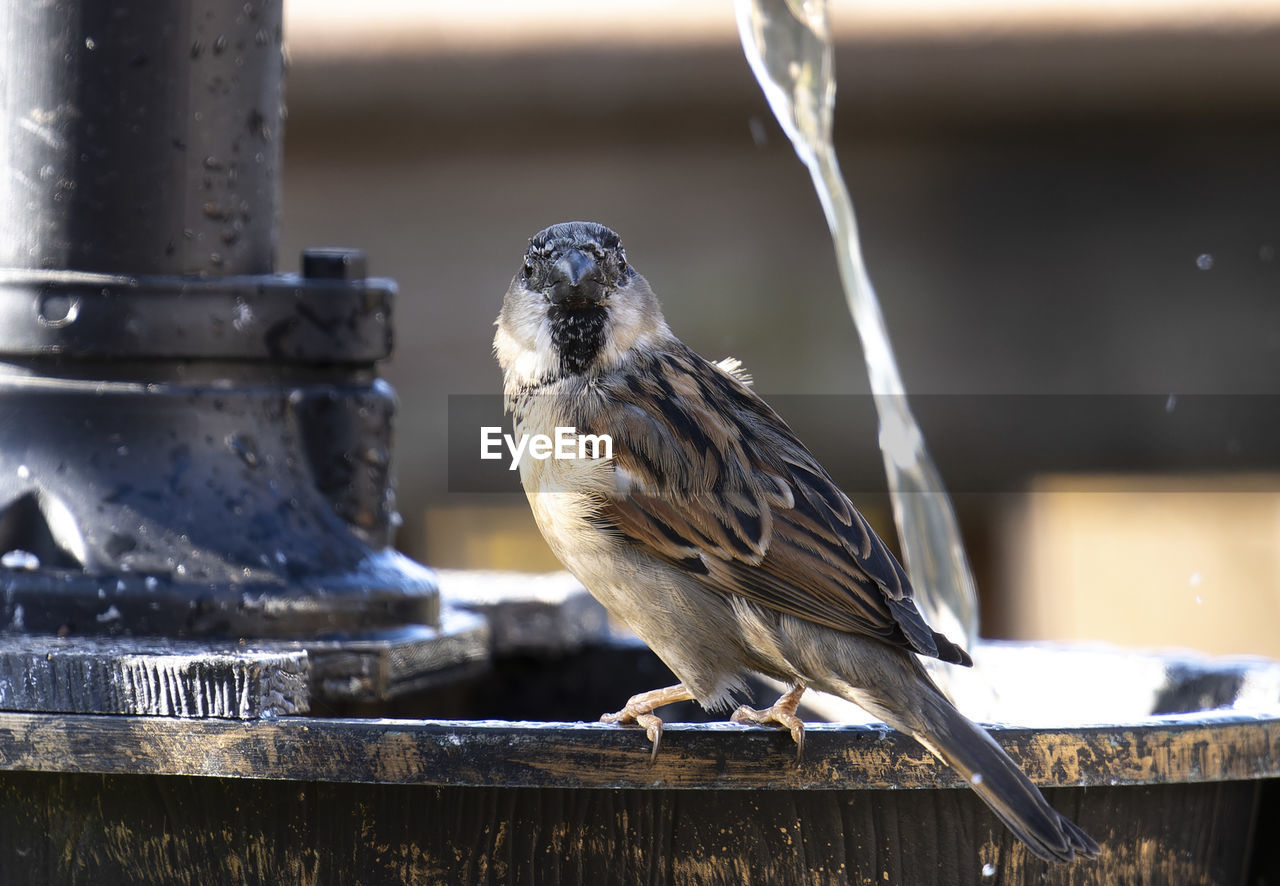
{"x": 192, "y": 446}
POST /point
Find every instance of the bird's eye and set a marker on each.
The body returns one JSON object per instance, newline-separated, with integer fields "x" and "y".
{"x": 528, "y": 268}
{"x": 622, "y": 259}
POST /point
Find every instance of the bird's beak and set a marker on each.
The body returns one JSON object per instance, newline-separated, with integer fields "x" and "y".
{"x": 575, "y": 280}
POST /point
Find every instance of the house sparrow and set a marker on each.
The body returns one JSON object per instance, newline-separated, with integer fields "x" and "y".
{"x": 713, "y": 533}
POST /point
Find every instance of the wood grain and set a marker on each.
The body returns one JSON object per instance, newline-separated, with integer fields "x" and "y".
{"x": 106, "y": 830}
{"x": 157, "y": 677}
{"x": 560, "y": 755}
{"x": 118, "y": 799}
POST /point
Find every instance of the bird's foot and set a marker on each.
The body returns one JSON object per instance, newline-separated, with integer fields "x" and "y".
{"x": 782, "y": 712}
{"x": 639, "y": 709}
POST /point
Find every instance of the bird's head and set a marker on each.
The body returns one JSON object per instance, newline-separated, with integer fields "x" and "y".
{"x": 576, "y": 306}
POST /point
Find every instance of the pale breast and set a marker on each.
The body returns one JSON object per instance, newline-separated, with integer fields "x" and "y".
{"x": 690, "y": 629}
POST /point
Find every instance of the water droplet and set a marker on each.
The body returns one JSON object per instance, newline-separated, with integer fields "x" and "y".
{"x": 976, "y": 779}
{"x": 220, "y": 44}
{"x": 1204, "y": 261}
{"x": 58, "y": 311}
{"x": 89, "y": 44}
{"x": 988, "y": 870}
{"x": 20, "y": 559}
{"x": 244, "y": 316}
{"x": 244, "y": 446}
{"x": 152, "y": 582}
{"x": 1171, "y": 403}
{"x": 1196, "y": 579}
{"x": 23, "y": 472}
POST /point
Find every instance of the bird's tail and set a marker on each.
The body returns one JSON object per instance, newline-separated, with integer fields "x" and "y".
{"x": 934, "y": 722}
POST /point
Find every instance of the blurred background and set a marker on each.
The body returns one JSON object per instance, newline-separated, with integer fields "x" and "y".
{"x": 1071, "y": 211}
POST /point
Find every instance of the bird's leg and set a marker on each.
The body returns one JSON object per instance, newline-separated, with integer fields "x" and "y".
{"x": 783, "y": 712}
{"x": 639, "y": 710}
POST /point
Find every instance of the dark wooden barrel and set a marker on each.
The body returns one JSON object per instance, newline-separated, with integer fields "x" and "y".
{"x": 1177, "y": 798}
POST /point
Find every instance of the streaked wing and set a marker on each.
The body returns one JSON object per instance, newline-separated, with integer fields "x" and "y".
{"x": 712, "y": 481}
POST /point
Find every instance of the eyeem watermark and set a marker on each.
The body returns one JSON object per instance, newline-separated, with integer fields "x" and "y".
{"x": 566, "y": 443}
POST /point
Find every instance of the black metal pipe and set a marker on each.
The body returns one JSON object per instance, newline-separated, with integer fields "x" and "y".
{"x": 141, "y": 137}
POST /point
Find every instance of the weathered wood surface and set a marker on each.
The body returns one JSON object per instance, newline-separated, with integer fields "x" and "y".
{"x": 271, "y": 678}
{"x": 381, "y": 665}
{"x": 108, "y": 830}
{"x": 707, "y": 756}
{"x": 124, "y": 675}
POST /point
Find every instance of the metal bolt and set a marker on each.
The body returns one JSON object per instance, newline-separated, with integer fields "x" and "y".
{"x": 326, "y": 263}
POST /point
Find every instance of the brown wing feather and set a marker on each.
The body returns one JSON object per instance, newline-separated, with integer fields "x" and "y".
{"x": 713, "y": 481}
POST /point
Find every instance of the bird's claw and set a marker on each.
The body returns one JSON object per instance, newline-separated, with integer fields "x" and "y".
{"x": 653, "y": 729}
{"x": 639, "y": 710}
{"x": 651, "y": 724}
{"x": 782, "y": 713}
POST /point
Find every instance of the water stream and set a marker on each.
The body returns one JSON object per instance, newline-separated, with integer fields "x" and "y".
{"x": 788, "y": 46}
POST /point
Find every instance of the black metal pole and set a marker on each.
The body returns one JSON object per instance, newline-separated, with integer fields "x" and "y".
{"x": 141, "y": 137}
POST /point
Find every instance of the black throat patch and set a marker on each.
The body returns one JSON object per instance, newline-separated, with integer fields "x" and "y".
{"x": 578, "y": 336}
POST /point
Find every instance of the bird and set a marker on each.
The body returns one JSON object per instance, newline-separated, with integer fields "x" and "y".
{"x": 711, "y": 531}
